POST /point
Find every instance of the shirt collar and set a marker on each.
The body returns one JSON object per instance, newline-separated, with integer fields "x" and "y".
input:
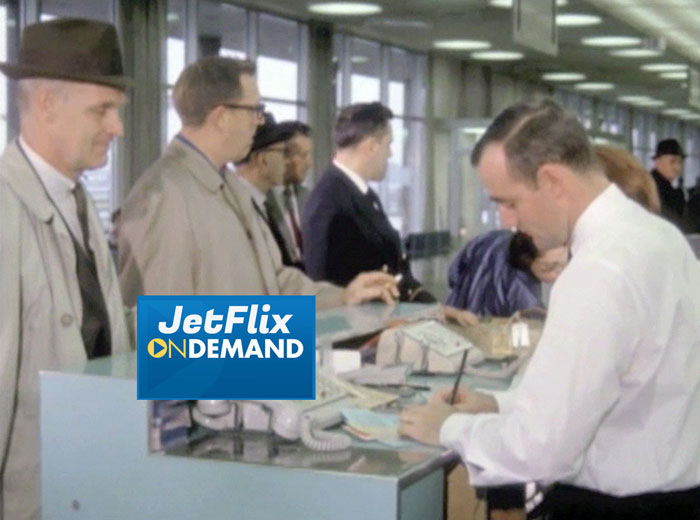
{"x": 596, "y": 215}
{"x": 58, "y": 185}
{"x": 354, "y": 177}
{"x": 258, "y": 196}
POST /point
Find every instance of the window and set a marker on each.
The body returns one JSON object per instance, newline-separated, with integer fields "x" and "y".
{"x": 278, "y": 46}
{"x": 8, "y": 51}
{"x": 102, "y": 182}
{"x": 368, "y": 71}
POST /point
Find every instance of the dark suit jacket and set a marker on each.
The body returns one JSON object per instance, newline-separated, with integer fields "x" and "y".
{"x": 344, "y": 234}
{"x": 672, "y": 201}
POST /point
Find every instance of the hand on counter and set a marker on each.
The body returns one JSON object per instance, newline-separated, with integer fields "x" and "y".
{"x": 373, "y": 285}
{"x": 466, "y": 400}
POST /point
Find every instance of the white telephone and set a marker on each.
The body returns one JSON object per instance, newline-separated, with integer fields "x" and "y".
{"x": 288, "y": 419}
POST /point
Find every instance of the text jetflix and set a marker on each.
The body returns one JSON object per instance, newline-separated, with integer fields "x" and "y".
{"x": 226, "y": 347}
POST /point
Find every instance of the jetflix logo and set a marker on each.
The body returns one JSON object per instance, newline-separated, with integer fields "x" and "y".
{"x": 226, "y": 347}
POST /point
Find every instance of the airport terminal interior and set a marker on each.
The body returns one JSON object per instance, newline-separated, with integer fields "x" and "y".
{"x": 628, "y": 69}
{"x": 444, "y": 67}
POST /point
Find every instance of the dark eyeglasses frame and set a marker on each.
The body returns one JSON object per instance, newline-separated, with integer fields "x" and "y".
{"x": 259, "y": 109}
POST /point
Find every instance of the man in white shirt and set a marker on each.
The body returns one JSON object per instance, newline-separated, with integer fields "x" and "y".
{"x": 609, "y": 406}
{"x": 60, "y": 301}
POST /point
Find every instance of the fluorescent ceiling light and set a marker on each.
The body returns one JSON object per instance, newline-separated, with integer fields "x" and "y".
{"x": 345, "y": 8}
{"x": 680, "y": 74}
{"x": 563, "y": 76}
{"x": 633, "y": 99}
{"x": 461, "y": 45}
{"x": 635, "y": 53}
{"x": 577, "y": 19}
{"x": 358, "y": 59}
{"x": 497, "y": 55}
{"x": 676, "y": 112}
{"x": 611, "y": 41}
{"x": 690, "y": 117}
{"x": 507, "y": 4}
{"x": 651, "y": 103}
{"x": 664, "y": 67}
{"x": 594, "y": 85}
{"x": 474, "y": 130}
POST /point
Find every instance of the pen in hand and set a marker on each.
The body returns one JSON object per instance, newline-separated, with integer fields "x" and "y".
{"x": 459, "y": 376}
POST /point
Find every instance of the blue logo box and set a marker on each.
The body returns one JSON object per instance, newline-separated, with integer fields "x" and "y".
{"x": 226, "y": 347}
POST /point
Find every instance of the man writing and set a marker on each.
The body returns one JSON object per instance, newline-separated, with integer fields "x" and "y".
{"x": 60, "y": 300}
{"x": 607, "y": 408}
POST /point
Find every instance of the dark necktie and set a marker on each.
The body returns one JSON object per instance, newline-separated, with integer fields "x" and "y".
{"x": 94, "y": 329}
{"x": 292, "y": 218}
{"x": 81, "y": 207}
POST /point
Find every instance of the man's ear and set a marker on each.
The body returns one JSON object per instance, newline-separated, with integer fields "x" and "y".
{"x": 551, "y": 176}
{"x": 215, "y": 117}
{"x": 46, "y": 101}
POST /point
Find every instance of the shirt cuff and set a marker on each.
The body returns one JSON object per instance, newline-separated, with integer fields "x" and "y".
{"x": 451, "y": 431}
{"x": 505, "y": 400}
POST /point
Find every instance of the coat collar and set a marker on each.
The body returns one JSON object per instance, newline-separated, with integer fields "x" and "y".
{"x": 197, "y": 164}
{"x": 24, "y": 181}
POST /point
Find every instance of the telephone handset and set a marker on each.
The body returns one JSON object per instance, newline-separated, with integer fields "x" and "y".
{"x": 288, "y": 419}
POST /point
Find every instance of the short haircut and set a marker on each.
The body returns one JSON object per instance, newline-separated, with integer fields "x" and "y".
{"x": 295, "y": 128}
{"x": 355, "y": 122}
{"x": 536, "y": 133}
{"x": 206, "y": 83}
{"x": 625, "y": 170}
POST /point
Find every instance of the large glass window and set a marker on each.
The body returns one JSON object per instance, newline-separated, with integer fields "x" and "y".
{"x": 9, "y": 38}
{"x": 102, "y": 183}
{"x": 368, "y": 71}
{"x": 278, "y": 46}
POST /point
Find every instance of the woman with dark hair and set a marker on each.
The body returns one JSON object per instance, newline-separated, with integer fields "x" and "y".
{"x": 500, "y": 272}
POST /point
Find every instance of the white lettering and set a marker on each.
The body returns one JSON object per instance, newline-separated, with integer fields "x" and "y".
{"x": 232, "y": 319}
{"x": 212, "y": 318}
{"x": 193, "y": 354}
{"x": 192, "y": 324}
{"x": 291, "y": 354}
{"x": 253, "y": 349}
{"x": 251, "y": 319}
{"x": 280, "y": 324}
{"x": 164, "y": 329}
{"x": 212, "y": 348}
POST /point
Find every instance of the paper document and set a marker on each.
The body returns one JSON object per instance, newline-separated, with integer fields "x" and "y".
{"x": 438, "y": 338}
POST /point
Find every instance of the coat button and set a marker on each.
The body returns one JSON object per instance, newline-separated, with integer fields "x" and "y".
{"x": 66, "y": 320}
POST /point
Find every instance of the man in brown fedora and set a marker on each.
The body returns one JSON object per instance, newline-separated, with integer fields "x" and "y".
{"x": 60, "y": 300}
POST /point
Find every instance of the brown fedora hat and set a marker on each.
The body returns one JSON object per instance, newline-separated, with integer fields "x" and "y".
{"x": 72, "y": 49}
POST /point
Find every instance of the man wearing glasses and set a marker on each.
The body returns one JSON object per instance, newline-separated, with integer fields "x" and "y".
{"x": 262, "y": 169}
{"x": 189, "y": 228}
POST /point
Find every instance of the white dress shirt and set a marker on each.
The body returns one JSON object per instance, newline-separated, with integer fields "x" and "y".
{"x": 60, "y": 189}
{"x": 611, "y": 398}
{"x": 354, "y": 177}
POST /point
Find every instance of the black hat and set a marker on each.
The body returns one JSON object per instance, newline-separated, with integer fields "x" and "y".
{"x": 72, "y": 49}
{"x": 269, "y": 133}
{"x": 668, "y": 147}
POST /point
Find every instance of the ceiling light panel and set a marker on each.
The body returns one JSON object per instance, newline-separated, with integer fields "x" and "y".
{"x": 563, "y": 76}
{"x": 635, "y": 53}
{"x": 611, "y": 41}
{"x": 461, "y": 45}
{"x": 345, "y": 8}
{"x": 497, "y": 55}
{"x": 664, "y": 67}
{"x": 577, "y": 20}
{"x": 681, "y": 74}
{"x": 594, "y": 85}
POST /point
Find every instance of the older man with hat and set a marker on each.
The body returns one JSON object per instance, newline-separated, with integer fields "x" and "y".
{"x": 60, "y": 300}
{"x": 261, "y": 170}
{"x": 189, "y": 227}
{"x": 668, "y": 167}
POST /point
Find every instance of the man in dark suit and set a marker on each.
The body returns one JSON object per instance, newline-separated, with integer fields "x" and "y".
{"x": 668, "y": 167}
{"x": 345, "y": 229}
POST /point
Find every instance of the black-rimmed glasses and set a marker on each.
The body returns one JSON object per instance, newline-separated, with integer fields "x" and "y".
{"x": 259, "y": 109}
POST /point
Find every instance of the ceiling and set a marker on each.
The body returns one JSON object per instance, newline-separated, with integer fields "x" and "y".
{"x": 415, "y": 24}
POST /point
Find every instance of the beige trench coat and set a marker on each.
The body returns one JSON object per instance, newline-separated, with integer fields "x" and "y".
{"x": 187, "y": 230}
{"x": 39, "y": 320}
